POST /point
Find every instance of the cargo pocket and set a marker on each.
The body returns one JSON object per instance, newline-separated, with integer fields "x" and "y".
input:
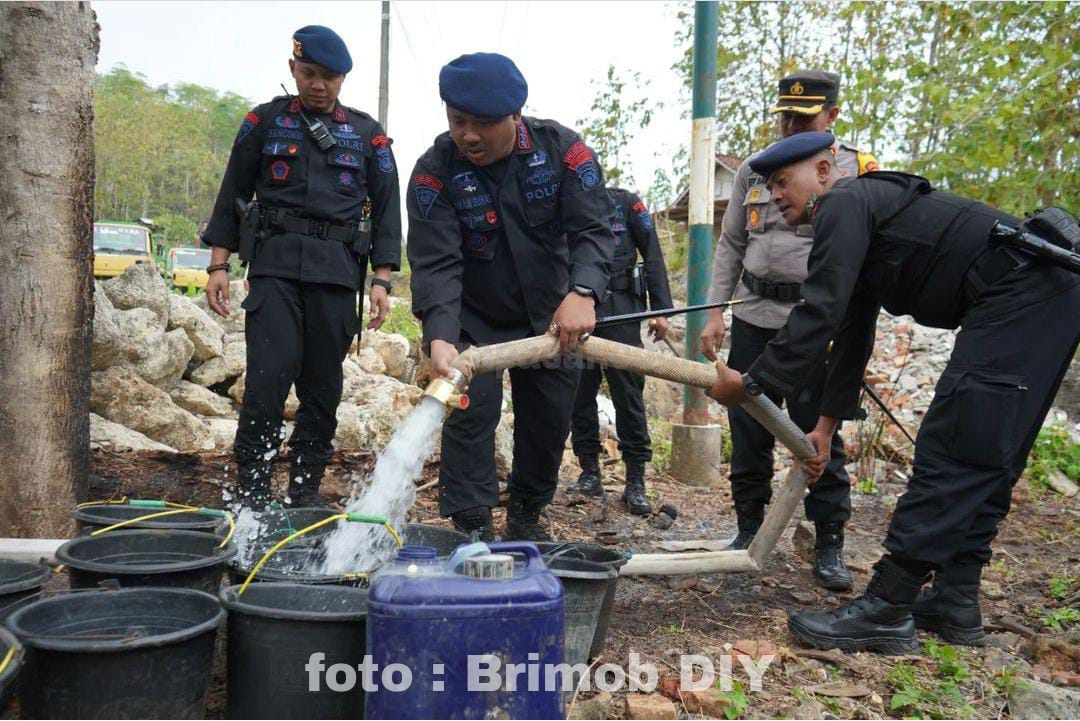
{"x": 350, "y": 328}
{"x": 983, "y": 408}
{"x": 254, "y": 298}
{"x": 346, "y": 169}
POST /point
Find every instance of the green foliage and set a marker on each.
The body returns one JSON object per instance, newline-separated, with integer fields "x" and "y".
{"x": 737, "y": 701}
{"x": 1059, "y": 618}
{"x": 174, "y": 230}
{"x": 160, "y": 151}
{"x": 1054, "y": 450}
{"x": 660, "y": 431}
{"x": 1060, "y": 586}
{"x": 401, "y": 320}
{"x": 978, "y": 97}
{"x": 615, "y": 117}
{"x": 935, "y": 698}
{"x": 1008, "y": 681}
{"x": 867, "y": 486}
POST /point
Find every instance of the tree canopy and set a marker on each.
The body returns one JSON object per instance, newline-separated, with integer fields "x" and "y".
{"x": 981, "y": 98}
{"x": 161, "y": 151}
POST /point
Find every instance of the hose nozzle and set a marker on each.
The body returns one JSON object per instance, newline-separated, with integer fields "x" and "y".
{"x": 448, "y": 392}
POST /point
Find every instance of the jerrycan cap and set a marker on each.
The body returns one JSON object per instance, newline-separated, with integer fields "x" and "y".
{"x": 489, "y": 567}
{"x": 423, "y": 555}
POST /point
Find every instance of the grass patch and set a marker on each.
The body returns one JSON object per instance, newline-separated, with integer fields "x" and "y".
{"x": 937, "y": 697}
{"x": 1054, "y": 452}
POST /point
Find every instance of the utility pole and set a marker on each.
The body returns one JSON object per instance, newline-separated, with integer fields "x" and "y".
{"x": 696, "y": 445}
{"x": 384, "y": 65}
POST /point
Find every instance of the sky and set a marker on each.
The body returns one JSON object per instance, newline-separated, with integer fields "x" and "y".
{"x": 560, "y": 47}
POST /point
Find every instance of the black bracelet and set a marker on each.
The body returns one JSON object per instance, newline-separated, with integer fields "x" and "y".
{"x": 217, "y": 266}
{"x": 383, "y": 284}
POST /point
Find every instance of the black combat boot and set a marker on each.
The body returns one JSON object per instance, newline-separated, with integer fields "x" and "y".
{"x": 304, "y": 482}
{"x": 253, "y": 485}
{"x": 589, "y": 482}
{"x": 749, "y": 519}
{"x": 634, "y": 493}
{"x": 950, "y": 608}
{"x": 879, "y": 620}
{"x": 475, "y": 523}
{"x": 523, "y": 521}
{"x": 829, "y": 568}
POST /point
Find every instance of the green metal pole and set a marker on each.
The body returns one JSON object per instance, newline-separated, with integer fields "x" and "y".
{"x": 702, "y": 178}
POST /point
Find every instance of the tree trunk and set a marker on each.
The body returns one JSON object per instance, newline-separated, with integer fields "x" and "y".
{"x": 47, "y": 55}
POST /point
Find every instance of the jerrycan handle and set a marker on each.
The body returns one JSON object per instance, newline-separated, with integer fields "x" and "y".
{"x": 534, "y": 561}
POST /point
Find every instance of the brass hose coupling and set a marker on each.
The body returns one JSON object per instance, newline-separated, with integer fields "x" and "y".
{"x": 448, "y": 392}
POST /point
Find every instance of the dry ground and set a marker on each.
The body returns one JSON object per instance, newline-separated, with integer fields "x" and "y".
{"x": 662, "y": 618}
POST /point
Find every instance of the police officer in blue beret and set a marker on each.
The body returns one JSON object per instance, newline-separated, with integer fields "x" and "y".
{"x": 889, "y": 240}
{"x": 326, "y": 205}
{"x": 508, "y": 233}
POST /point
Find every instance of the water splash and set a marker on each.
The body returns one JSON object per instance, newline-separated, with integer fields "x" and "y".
{"x": 361, "y": 547}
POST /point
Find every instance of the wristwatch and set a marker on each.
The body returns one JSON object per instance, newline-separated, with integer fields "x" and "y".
{"x": 751, "y": 386}
{"x": 383, "y": 284}
{"x": 582, "y": 290}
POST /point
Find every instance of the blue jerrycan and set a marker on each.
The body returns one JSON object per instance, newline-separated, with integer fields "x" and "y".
{"x": 478, "y": 642}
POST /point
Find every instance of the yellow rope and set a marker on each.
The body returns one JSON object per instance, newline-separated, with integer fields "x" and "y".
{"x": 162, "y": 514}
{"x": 287, "y": 539}
{"x": 7, "y": 659}
{"x": 102, "y": 503}
{"x": 318, "y": 524}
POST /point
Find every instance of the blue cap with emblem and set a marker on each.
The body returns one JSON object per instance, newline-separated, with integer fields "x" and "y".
{"x": 790, "y": 150}
{"x": 485, "y": 84}
{"x": 321, "y": 45}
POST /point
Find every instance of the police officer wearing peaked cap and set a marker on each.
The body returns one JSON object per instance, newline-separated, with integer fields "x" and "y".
{"x": 326, "y": 205}
{"x": 631, "y": 284}
{"x": 508, "y": 232}
{"x": 761, "y": 260}
{"x": 889, "y": 240}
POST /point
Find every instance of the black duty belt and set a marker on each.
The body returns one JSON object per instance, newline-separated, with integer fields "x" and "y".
{"x": 620, "y": 282}
{"x": 787, "y": 292}
{"x": 285, "y": 222}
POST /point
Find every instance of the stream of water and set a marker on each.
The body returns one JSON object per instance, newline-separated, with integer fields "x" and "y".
{"x": 355, "y": 547}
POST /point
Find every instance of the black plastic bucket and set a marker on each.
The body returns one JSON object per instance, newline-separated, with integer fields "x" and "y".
{"x": 182, "y": 559}
{"x": 90, "y": 518}
{"x": 585, "y": 585}
{"x": 19, "y": 580}
{"x": 283, "y": 564}
{"x": 597, "y": 554}
{"x": 273, "y": 630}
{"x": 9, "y": 644}
{"x": 132, "y": 653}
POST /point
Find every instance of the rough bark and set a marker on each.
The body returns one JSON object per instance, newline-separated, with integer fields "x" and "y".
{"x": 47, "y": 56}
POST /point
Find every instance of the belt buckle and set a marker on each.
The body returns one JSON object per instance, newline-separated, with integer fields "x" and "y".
{"x": 318, "y": 228}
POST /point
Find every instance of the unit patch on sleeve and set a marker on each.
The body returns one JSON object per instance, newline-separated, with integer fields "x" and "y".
{"x": 643, "y": 215}
{"x": 427, "y": 190}
{"x": 580, "y": 160}
{"x": 250, "y": 121}
{"x": 381, "y": 143}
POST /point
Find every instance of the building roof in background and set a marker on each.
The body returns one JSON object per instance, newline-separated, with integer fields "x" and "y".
{"x": 679, "y": 209}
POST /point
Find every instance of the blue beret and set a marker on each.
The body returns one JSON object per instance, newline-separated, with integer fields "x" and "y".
{"x": 484, "y": 84}
{"x": 321, "y": 45}
{"x": 790, "y": 150}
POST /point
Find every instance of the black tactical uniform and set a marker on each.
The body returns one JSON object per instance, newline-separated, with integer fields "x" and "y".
{"x": 888, "y": 240}
{"x": 634, "y": 233}
{"x": 494, "y": 251}
{"x": 301, "y": 312}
